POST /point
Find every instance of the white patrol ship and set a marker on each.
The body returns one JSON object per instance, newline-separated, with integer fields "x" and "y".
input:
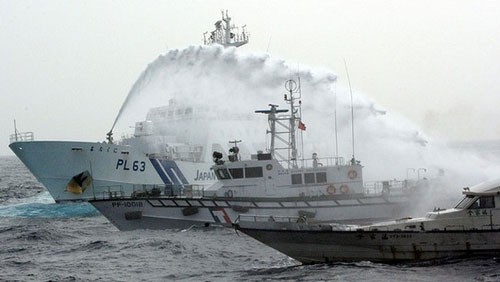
{"x": 276, "y": 182}
{"x": 161, "y": 152}
{"x": 172, "y": 146}
{"x": 472, "y": 228}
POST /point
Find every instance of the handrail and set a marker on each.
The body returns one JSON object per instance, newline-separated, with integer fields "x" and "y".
{"x": 293, "y": 223}
{"x": 21, "y": 137}
{"x": 454, "y": 227}
{"x": 149, "y": 190}
{"x": 273, "y": 218}
{"x": 389, "y": 186}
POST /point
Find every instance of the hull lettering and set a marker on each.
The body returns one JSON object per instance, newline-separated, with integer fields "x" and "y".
{"x": 204, "y": 175}
{"x": 127, "y": 204}
{"x": 136, "y": 165}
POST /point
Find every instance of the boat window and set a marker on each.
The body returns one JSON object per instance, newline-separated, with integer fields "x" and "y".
{"x": 465, "y": 202}
{"x": 236, "y": 172}
{"x": 321, "y": 177}
{"x": 486, "y": 202}
{"x": 251, "y": 172}
{"x": 309, "y": 178}
{"x": 222, "y": 173}
{"x": 296, "y": 178}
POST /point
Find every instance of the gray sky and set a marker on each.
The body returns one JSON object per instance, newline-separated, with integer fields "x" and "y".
{"x": 67, "y": 66}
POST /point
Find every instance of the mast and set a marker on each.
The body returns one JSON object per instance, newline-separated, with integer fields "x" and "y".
{"x": 353, "y": 160}
{"x": 293, "y": 90}
{"x": 283, "y": 128}
{"x": 226, "y": 34}
{"x": 272, "y": 118}
{"x": 16, "y": 134}
{"x": 336, "y": 131}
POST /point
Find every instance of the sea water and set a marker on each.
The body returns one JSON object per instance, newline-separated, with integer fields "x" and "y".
{"x": 44, "y": 241}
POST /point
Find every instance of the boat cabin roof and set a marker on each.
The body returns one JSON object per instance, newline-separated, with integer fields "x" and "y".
{"x": 491, "y": 187}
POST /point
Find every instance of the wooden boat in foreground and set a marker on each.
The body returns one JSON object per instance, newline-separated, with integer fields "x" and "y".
{"x": 472, "y": 228}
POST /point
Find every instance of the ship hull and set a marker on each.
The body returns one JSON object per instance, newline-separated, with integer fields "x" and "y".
{"x": 79, "y": 171}
{"x": 177, "y": 212}
{"x": 323, "y": 246}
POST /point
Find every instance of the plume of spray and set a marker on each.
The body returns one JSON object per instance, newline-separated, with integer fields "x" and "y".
{"x": 233, "y": 81}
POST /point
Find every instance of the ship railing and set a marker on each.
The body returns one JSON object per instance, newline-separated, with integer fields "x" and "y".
{"x": 318, "y": 162}
{"x": 388, "y": 187}
{"x": 218, "y": 36}
{"x": 458, "y": 227}
{"x": 110, "y": 191}
{"x": 146, "y": 190}
{"x": 191, "y": 155}
{"x": 185, "y": 191}
{"x": 271, "y": 218}
{"x": 293, "y": 223}
{"x": 490, "y": 227}
{"x": 22, "y": 137}
{"x": 169, "y": 190}
{"x": 150, "y": 191}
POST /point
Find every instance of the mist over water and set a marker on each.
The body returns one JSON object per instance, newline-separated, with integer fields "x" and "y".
{"x": 232, "y": 82}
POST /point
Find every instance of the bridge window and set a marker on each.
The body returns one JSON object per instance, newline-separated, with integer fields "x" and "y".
{"x": 296, "y": 178}
{"x": 236, "y": 172}
{"x": 487, "y": 202}
{"x": 222, "y": 173}
{"x": 309, "y": 178}
{"x": 251, "y": 172}
{"x": 464, "y": 203}
{"x": 321, "y": 177}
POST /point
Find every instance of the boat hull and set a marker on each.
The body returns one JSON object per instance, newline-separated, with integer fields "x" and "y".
{"x": 182, "y": 212}
{"x": 323, "y": 246}
{"x": 79, "y": 171}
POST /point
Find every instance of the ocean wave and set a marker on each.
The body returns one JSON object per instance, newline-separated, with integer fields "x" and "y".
{"x": 44, "y": 206}
{"x": 52, "y": 210}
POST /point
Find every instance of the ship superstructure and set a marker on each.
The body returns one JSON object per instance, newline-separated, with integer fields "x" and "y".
{"x": 276, "y": 181}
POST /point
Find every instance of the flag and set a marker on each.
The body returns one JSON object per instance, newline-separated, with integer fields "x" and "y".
{"x": 302, "y": 126}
